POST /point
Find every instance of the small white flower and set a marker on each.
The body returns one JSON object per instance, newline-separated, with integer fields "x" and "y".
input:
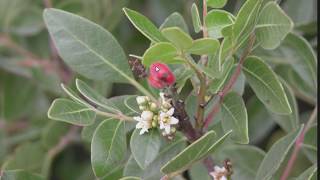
{"x": 144, "y": 122}
{"x": 141, "y": 100}
{"x": 219, "y": 173}
{"x": 167, "y": 119}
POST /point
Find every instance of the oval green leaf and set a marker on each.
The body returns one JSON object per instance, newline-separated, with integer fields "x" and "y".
{"x": 216, "y": 20}
{"x": 151, "y": 146}
{"x": 235, "y": 118}
{"x": 144, "y": 25}
{"x": 93, "y": 96}
{"x": 162, "y": 52}
{"x": 216, "y": 3}
{"x": 175, "y": 20}
{"x": 71, "y": 112}
{"x": 266, "y": 85}
{"x": 273, "y": 26}
{"x": 177, "y": 37}
{"x": 276, "y": 155}
{"x": 20, "y": 175}
{"x": 98, "y": 57}
{"x": 204, "y": 46}
{"x": 108, "y": 147}
{"x": 196, "y": 151}
{"x": 196, "y": 18}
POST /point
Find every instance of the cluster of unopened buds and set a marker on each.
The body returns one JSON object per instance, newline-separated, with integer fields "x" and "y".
{"x": 157, "y": 114}
{"x": 154, "y": 116}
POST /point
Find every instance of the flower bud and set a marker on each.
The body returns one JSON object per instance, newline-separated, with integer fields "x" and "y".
{"x": 160, "y": 76}
{"x": 166, "y": 105}
{"x": 147, "y": 115}
{"x": 173, "y": 130}
{"x": 141, "y": 100}
{"x": 142, "y": 108}
{"x": 153, "y": 106}
{"x": 154, "y": 124}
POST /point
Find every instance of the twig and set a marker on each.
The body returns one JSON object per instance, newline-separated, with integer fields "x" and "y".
{"x": 230, "y": 84}
{"x": 181, "y": 114}
{"x": 47, "y": 3}
{"x": 208, "y": 162}
{"x": 7, "y": 41}
{"x": 298, "y": 146}
{"x": 62, "y": 144}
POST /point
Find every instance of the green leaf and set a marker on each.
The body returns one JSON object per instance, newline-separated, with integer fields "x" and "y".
{"x": 18, "y": 96}
{"x": 88, "y": 131}
{"x": 175, "y": 20}
{"x": 302, "y": 58}
{"x": 260, "y": 122}
{"x": 301, "y": 12}
{"x": 193, "y": 153}
{"x": 53, "y": 132}
{"x": 20, "y": 17}
{"x": 199, "y": 171}
{"x": 167, "y": 152}
{"x": 219, "y": 78}
{"x": 179, "y": 38}
{"x": 216, "y": 20}
{"x": 144, "y": 25}
{"x": 93, "y": 96}
{"x": 151, "y": 146}
{"x": 216, "y": 3}
{"x": 71, "y": 112}
{"x": 245, "y": 21}
{"x": 266, "y": 85}
{"x": 307, "y": 174}
{"x": 235, "y": 118}
{"x": 298, "y": 53}
{"x": 74, "y": 96}
{"x": 98, "y": 57}
{"x": 164, "y": 52}
{"x": 245, "y": 160}
{"x": 130, "y": 178}
{"x": 276, "y": 155}
{"x": 28, "y": 156}
{"x": 225, "y": 51}
{"x": 273, "y": 26}
{"x": 190, "y": 155}
{"x": 108, "y": 147}
{"x": 310, "y": 144}
{"x": 295, "y": 82}
{"x": 204, "y": 46}
{"x": 196, "y": 18}
{"x": 291, "y": 121}
{"x": 20, "y": 175}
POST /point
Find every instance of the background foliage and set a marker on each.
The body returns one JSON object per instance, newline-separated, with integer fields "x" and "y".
{"x": 36, "y": 147}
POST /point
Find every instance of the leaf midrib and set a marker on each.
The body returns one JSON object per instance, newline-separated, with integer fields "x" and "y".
{"x": 258, "y": 78}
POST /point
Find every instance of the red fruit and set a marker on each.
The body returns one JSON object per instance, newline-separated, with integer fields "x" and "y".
{"x": 160, "y": 75}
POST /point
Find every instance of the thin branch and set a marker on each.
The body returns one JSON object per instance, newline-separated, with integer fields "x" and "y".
{"x": 181, "y": 114}
{"x": 47, "y": 3}
{"x": 230, "y": 84}
{"x": 7, "y": 42}
{"x": 204, "y": 14}
{"x": 62, "y": 144}
{"x": 298, "y": 145}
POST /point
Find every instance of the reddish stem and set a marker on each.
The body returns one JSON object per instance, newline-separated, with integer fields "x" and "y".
{"x": 230, "y": 84}
{"x": 298, "y": 146}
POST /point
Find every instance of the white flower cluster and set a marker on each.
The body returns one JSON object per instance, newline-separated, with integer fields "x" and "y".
{"x": 219, "y": 173}
{"x": 152, "y": 115}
